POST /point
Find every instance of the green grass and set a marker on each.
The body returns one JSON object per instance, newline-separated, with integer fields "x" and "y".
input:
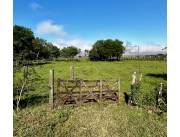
{"x": 93, "y": 120}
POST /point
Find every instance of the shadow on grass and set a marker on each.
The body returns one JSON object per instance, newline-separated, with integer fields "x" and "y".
{"x": 40, "y": 63}
{"x": 126, "y": 97}
{"x": 164, "y": 75}
{"x": 32, "y": 100}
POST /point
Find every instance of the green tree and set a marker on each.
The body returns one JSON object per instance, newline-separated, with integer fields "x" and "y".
{"x": 27, "y": 47}
{"x": 69, "y": 52}
{"x": 107, "y": 50}
{"x": 53, "y": 50}
{"x": 86, "y": 52}
{"x": 22, "y": 43}
{"x": 38, "y": 45}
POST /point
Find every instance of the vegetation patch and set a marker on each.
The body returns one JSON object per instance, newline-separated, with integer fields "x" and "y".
{"x": 101, "y": 120}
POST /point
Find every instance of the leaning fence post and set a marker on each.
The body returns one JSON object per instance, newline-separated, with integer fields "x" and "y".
{"x": 80, "y": 91}
{"x": 161, "y": 88}
{"x": 72, "y": 72}
{"x": 58, "y": 87}
{"x": 101, "y": 88}
{"x": 51, "y": 91}
{"x": 119, "y": 89}
{"x": 133, "y": 78}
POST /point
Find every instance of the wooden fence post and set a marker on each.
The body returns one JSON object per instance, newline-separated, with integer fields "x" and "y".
{"x": 72, "y": 72}
{"x": 119, "y": 89}
{"x": 80, "y": 91}
{"x": 161, "y": 89}
{"x": 58, "y": 87}
{"x": 51, "y": 85}
{"x": 134, "y": 78}
{"x": 101, "y": 88}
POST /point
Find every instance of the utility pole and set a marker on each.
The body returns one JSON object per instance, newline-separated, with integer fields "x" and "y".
{"x": 138, "y": 60}
{"x": 139, "y": 67}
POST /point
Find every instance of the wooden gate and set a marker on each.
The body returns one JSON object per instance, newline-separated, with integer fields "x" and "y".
{"x": 83, "y": 91}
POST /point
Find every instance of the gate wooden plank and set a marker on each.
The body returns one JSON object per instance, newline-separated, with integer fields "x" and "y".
{"x": 81, "y": 91}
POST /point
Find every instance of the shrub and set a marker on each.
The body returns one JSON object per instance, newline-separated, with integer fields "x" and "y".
{"x": 162, "y": 99}
{"x": 135, "y": 89}
{"x": 154, "y": 99}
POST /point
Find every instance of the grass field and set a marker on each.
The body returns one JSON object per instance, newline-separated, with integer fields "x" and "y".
{"x": 93, "y": 120}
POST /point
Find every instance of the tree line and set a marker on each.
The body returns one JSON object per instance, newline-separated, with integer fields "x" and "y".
{"x": 28, "y": 47}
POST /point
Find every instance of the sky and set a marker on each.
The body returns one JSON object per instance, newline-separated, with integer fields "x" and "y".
{"x": 82, "y": 22}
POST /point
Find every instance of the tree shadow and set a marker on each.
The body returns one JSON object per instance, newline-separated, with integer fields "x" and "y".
{"x": 126, "y": 97}
{"x": 39, "y": 63}
{"x": 164, "y": 75}
{"x": 32, "y": 100}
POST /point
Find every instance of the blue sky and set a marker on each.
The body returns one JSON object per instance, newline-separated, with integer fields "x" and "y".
{"x": 82, "y": 22}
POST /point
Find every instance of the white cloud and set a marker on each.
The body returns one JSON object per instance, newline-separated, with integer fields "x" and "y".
{"x": 48, "y": 27}
{"x": 51, "y": 29}
{"x": 77, "y": 42}
{"x": 35, "y": 6}
{"x": 145, "y": 49}
{"x": 151, "y": 48}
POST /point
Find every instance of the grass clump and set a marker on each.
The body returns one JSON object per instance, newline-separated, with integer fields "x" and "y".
{"x": 92, "y": 120}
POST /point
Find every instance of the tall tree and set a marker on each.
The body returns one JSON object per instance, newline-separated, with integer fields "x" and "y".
{"x": 53, "y": 50}
{"x": 107, "y": 50}
{"x": 69, "y": 52}
{"x": 38, "y": 45}
{"x": 22, "y": 43}
{"x": 27, "y": 47}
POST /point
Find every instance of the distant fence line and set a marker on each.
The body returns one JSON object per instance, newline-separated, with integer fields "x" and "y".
{"x": 148, "y": 58}
{"x": 45, "y": 61}
{"x": 41, "y": 61}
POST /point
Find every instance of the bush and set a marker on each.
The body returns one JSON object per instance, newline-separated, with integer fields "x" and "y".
{"x": 107, "y": 50}
{"x": 155, "y": 100}
{"x": 135, "y": 96}
{"x": 149, "y": 99}
{"x": 162, "y": 99}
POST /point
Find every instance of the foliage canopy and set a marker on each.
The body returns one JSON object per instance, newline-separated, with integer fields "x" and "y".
{"x": 69, "y": 52}
{"x": 107, "y": 50}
